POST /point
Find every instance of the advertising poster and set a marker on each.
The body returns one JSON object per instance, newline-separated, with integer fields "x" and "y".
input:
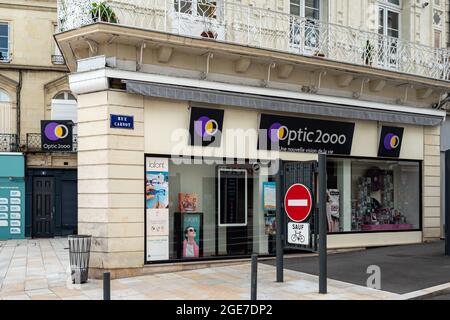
{"x": 269, "y": 196}
{"x": 157, "y": 208}
{"x": 192, "y": 230}
{"x": 157, "y": 248}
{"x": 157, "y": 222}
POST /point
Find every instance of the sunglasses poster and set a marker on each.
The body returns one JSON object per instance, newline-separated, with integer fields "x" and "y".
{"x": 192, "y": 224}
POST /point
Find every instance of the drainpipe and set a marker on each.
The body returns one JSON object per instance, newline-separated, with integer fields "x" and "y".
{"x": 18, "y": 102}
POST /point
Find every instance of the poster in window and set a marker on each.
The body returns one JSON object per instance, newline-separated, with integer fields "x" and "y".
{"x": 192, "y": 230}
{"x": 157, "y": 222}
{"x": 157, "y": 248}
{"x": 269, "y": 196}
{"x": 157, "y": 208}
{"x": 187, "y": 202}
{"x": 232, "y": 197}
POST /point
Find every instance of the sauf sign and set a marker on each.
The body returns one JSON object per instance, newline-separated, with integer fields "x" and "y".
{"x": 291, "y": 134}
{"x": 56, "y": 135}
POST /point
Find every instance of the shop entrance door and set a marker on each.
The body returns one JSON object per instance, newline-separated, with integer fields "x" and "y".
{"x": 43, "y": 207}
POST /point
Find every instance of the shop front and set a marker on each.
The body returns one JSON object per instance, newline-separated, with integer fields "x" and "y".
{"x": 210, "y": 172}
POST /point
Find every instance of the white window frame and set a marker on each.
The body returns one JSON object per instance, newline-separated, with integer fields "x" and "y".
{"x": 9, "y": 42}
{"x": 388, "y": 6}
{"x": 194, "y": 7}
{"x": 303, "y": 9}
{"x": 5, "y": 93}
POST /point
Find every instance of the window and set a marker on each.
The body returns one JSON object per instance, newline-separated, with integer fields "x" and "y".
{"x": 437, "y": 39}
{"x": 64, "y": 107}
{"x": 305, "y": 29}
{"x": 389, "y": 30}
{"x": 4, "y": 97}
{"x": 6, "y": 117}
{"x": 203, "y": 8}
{"x": 205, "y": 209}
{"x": 57, "y": 57}
{"x": 373, "y": 195}
{"x": 4, "y": 42}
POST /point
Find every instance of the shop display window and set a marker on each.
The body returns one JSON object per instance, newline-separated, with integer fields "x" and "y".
{"x": 373, "y": 195}
{"x": 206, "y": 210}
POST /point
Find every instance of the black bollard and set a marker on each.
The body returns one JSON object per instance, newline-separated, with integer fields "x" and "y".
{"x": 254, "y": 277}
{"x": 106, "y": 286}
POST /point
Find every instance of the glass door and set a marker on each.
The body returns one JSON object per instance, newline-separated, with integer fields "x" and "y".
{"x": 389, "y": 31}
{"x": 304, "y": 26}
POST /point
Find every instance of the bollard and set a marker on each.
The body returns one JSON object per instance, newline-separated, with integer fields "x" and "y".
{"x": 322, "y": 223}
{"x": 254, "y": 277}
{"x": 106, "y": 286}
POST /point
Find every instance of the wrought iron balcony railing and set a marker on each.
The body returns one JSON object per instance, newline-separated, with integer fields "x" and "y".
{"x": 8, "y": 142}
{"x": 57, "y": 59}
{"x": 236, "y": 23}
{"x": 33, "y": 143}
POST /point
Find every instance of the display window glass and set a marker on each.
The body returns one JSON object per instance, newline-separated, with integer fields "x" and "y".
{"x": 373, "y": 195}
{"x": 203, "y": 209}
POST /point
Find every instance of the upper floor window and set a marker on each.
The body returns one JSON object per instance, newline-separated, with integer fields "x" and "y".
{"x": 389, "y": 18}
{"x": 306, "y": 8}
{"x": 4, "y": 97}
{"x": 4, "y": 41}
{"x": 203, "y": 8}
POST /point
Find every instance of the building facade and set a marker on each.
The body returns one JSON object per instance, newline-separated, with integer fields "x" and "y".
{"x": 34, "y": 87}
{"x": 186, "y": 107}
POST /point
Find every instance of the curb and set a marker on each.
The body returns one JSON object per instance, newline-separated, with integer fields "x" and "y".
{"x": 428, "y": 293}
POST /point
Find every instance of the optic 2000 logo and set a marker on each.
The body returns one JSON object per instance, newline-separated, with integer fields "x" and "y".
{"x": 55, "y": 131}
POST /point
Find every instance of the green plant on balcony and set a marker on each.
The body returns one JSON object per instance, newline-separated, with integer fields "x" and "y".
{"x": 101, "y": 11}
{"x": 368, "y": 53}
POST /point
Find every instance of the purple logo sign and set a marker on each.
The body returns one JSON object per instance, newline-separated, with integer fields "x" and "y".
{"x": 391, "y": 141}
{"x": 55, "y": 131}
{"x": 205, "y": 126}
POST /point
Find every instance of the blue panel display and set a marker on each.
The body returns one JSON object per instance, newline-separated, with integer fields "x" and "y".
{"x": 12, "y": 197}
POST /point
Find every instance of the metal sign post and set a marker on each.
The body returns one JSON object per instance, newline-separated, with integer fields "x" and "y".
{"x": 279, "y": 222}
{"x": 447, "y": 203}
{"x": 322, "y": 200}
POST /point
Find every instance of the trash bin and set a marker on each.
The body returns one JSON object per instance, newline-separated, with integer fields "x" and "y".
{"x": 79, "y": 250}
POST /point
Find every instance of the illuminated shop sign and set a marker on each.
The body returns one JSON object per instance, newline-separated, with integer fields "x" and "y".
{"x": 56, "y": 135}
{"x": 291, "y": 134}
{"x": 390, "y": 142}
{"x": 206, "y": 127}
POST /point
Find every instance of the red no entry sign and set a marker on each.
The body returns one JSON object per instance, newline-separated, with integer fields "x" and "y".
{"x": 298, "y": 202}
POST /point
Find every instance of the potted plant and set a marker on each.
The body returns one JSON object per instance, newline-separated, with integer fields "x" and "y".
{"x": 368, "y": 53}
{"x": 101, "y": 11}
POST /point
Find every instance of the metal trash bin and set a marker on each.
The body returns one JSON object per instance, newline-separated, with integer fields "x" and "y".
{"x": 79, "y": 250}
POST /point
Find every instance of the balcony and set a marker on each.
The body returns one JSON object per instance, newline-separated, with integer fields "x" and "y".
{"x": 8, "y": 142}
{"x": 262, "y": 28}
{"x": 33, "y": 143}
{"x": 58, "y": 59}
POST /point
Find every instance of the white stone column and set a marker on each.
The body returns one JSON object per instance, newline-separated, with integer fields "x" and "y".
{"x": 111, "y": 182}
{"x": 431, "y": 184}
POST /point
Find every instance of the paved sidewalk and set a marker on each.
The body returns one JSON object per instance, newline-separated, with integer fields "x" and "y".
{"x": 39, "y": 269}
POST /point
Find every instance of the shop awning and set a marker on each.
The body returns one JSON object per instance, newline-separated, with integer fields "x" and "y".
{"x": 416, "y": 116}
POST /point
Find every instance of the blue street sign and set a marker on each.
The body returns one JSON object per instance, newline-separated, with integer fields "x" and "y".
{"x": 122, "y": 122}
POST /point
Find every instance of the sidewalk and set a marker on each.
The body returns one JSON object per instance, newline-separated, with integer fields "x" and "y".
{"x": 39, "y": 269}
